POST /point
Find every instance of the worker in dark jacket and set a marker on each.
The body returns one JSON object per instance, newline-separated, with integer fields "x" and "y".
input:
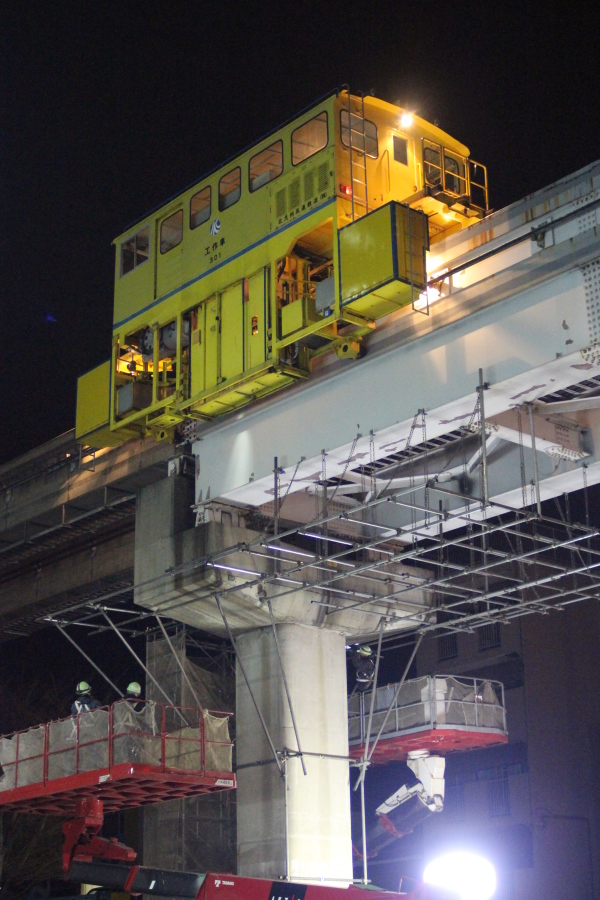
{"x": 364, "y": 667}
{"x": 134, "y": 696}
{"x": 84, "y": 702}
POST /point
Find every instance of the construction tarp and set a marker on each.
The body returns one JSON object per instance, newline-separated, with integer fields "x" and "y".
{"x": 78, "y": 744}
{"x": 183, "y": 746}
{"x": 22, "y": 758}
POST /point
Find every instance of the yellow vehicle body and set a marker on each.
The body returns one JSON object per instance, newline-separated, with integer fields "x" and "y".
{"x": 294, "y": 248}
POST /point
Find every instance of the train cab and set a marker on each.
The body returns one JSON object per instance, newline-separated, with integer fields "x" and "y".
{"x": 297, "y": 247}
{"x": 409, "y": 160}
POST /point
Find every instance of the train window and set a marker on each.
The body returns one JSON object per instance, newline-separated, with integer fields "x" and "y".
{"x": 265, "y": 166}
{"x": 401, "y": 150}
{"x": 309, "y": 138}
{"x": 135, "y": 250}
{"x": 432, "y": 163}
{"x": 455, "y": 180}
{"x": 171, "y": 231}
{"x": 371, "y": 145}
{"x": 200, "y": 207}
{"x": 230, "y": 188}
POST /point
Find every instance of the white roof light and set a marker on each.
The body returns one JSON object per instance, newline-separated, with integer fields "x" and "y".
{"x": 406, "y": 120}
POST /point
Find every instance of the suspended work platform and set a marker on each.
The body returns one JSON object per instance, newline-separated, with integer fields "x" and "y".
{"x": 122, "y": 756}
{"x": 438, "y": 713}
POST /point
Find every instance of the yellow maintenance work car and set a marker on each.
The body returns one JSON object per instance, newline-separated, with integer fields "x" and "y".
{"x": 292, "y": 249}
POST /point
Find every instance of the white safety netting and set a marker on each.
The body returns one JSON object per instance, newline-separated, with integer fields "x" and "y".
{"x": 183, "y": 746}
{"x": 78, "y": 744}
{"x": 22, "y": 758}
{"x": 136, "y": 733}
{"x": 427, "y": 702}
{"x": 218, "y": 753}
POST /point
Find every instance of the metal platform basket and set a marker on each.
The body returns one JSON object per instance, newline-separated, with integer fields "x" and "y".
{"x": 439, "y": 713}
{"x": 125, "y": 754}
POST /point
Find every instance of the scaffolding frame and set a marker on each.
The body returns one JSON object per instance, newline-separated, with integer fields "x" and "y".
{"x": 498, "y": 564}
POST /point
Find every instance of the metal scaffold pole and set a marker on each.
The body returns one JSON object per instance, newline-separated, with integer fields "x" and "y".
{"x": 484, "y": 463}
{"x": 89, "y": 659}
{"x": 536, "y": 474}
{"x": 139, "y": 661}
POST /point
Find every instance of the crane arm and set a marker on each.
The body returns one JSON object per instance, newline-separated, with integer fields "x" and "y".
{"x": 411, "y": 804}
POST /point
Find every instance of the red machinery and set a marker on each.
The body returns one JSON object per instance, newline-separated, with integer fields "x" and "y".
{"x": 193, "y": 886}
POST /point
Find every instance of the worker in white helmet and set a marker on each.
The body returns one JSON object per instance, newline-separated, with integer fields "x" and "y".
{"x": 84, "y": 702}
{"x": 134, "y": 696}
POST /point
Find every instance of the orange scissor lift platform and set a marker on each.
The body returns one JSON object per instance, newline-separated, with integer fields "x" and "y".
{"x": 438, "y": 713}
{"x": 119, "y": 755}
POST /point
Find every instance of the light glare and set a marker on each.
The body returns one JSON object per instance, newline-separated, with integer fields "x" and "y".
{"x": 427, "y": 297}
{"x": 471, "y": 877}
{"x": 406, "y": 120}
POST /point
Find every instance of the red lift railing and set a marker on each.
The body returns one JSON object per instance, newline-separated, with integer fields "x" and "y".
{"x": 126, "y": 754}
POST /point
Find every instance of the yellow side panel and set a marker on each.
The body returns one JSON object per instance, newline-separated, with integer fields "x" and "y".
{"x": 232, "y": 331}
{"x": 256, "y": 322}
{"x": 197, "y": 353}
{"x": 211, "y": 333}
{"x": 292, "y": 318}
{"x": 382, "y": 260}
{"x": 366, "y": 254}
{"x": 92, "y": 409}
{"x": 93, "y": 400}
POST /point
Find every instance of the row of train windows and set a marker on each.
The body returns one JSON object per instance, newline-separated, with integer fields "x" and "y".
{"x": 263, "y": 167}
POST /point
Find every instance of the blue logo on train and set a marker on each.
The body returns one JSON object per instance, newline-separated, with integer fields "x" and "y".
{"x": 215, "y": 226}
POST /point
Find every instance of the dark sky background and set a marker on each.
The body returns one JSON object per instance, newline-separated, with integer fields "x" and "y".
{"x": 109, "y": 108}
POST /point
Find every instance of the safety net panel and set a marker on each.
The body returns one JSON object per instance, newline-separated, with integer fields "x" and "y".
{"x": 137, "y": 733}
{"x": 183, "y": 749}
{"x": 409, "y": 710}
{"x": 78, "y": 744}
{"x": 183, "y": 746}
{"x": 218, "y": 747}
{"x": 22, "y": 758}
{"x": 93, "y": 740}
{"x": 474, "y": 703}
{"x": 62, "y": 748}
{"x": 8, "y": 755}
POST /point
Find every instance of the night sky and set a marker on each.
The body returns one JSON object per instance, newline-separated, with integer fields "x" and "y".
{"x": 109, "y": 108}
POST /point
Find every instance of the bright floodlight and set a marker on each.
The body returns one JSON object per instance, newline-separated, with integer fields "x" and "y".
{"x": 471, "y": 877}
{"x": 406, "y": 120}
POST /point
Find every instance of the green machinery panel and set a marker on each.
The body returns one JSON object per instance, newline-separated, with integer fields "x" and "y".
{"x": 382, "y": 260}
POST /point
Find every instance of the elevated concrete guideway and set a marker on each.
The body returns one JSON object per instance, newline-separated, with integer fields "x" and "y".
{"x": 67, "y": 525}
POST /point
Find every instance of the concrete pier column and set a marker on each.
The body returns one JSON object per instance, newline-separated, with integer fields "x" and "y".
{"x": 297, "y": 826}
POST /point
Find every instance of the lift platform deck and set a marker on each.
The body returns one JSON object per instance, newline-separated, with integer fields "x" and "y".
{"x": 117, "y": 754}
{"x": 438, "y": 713}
